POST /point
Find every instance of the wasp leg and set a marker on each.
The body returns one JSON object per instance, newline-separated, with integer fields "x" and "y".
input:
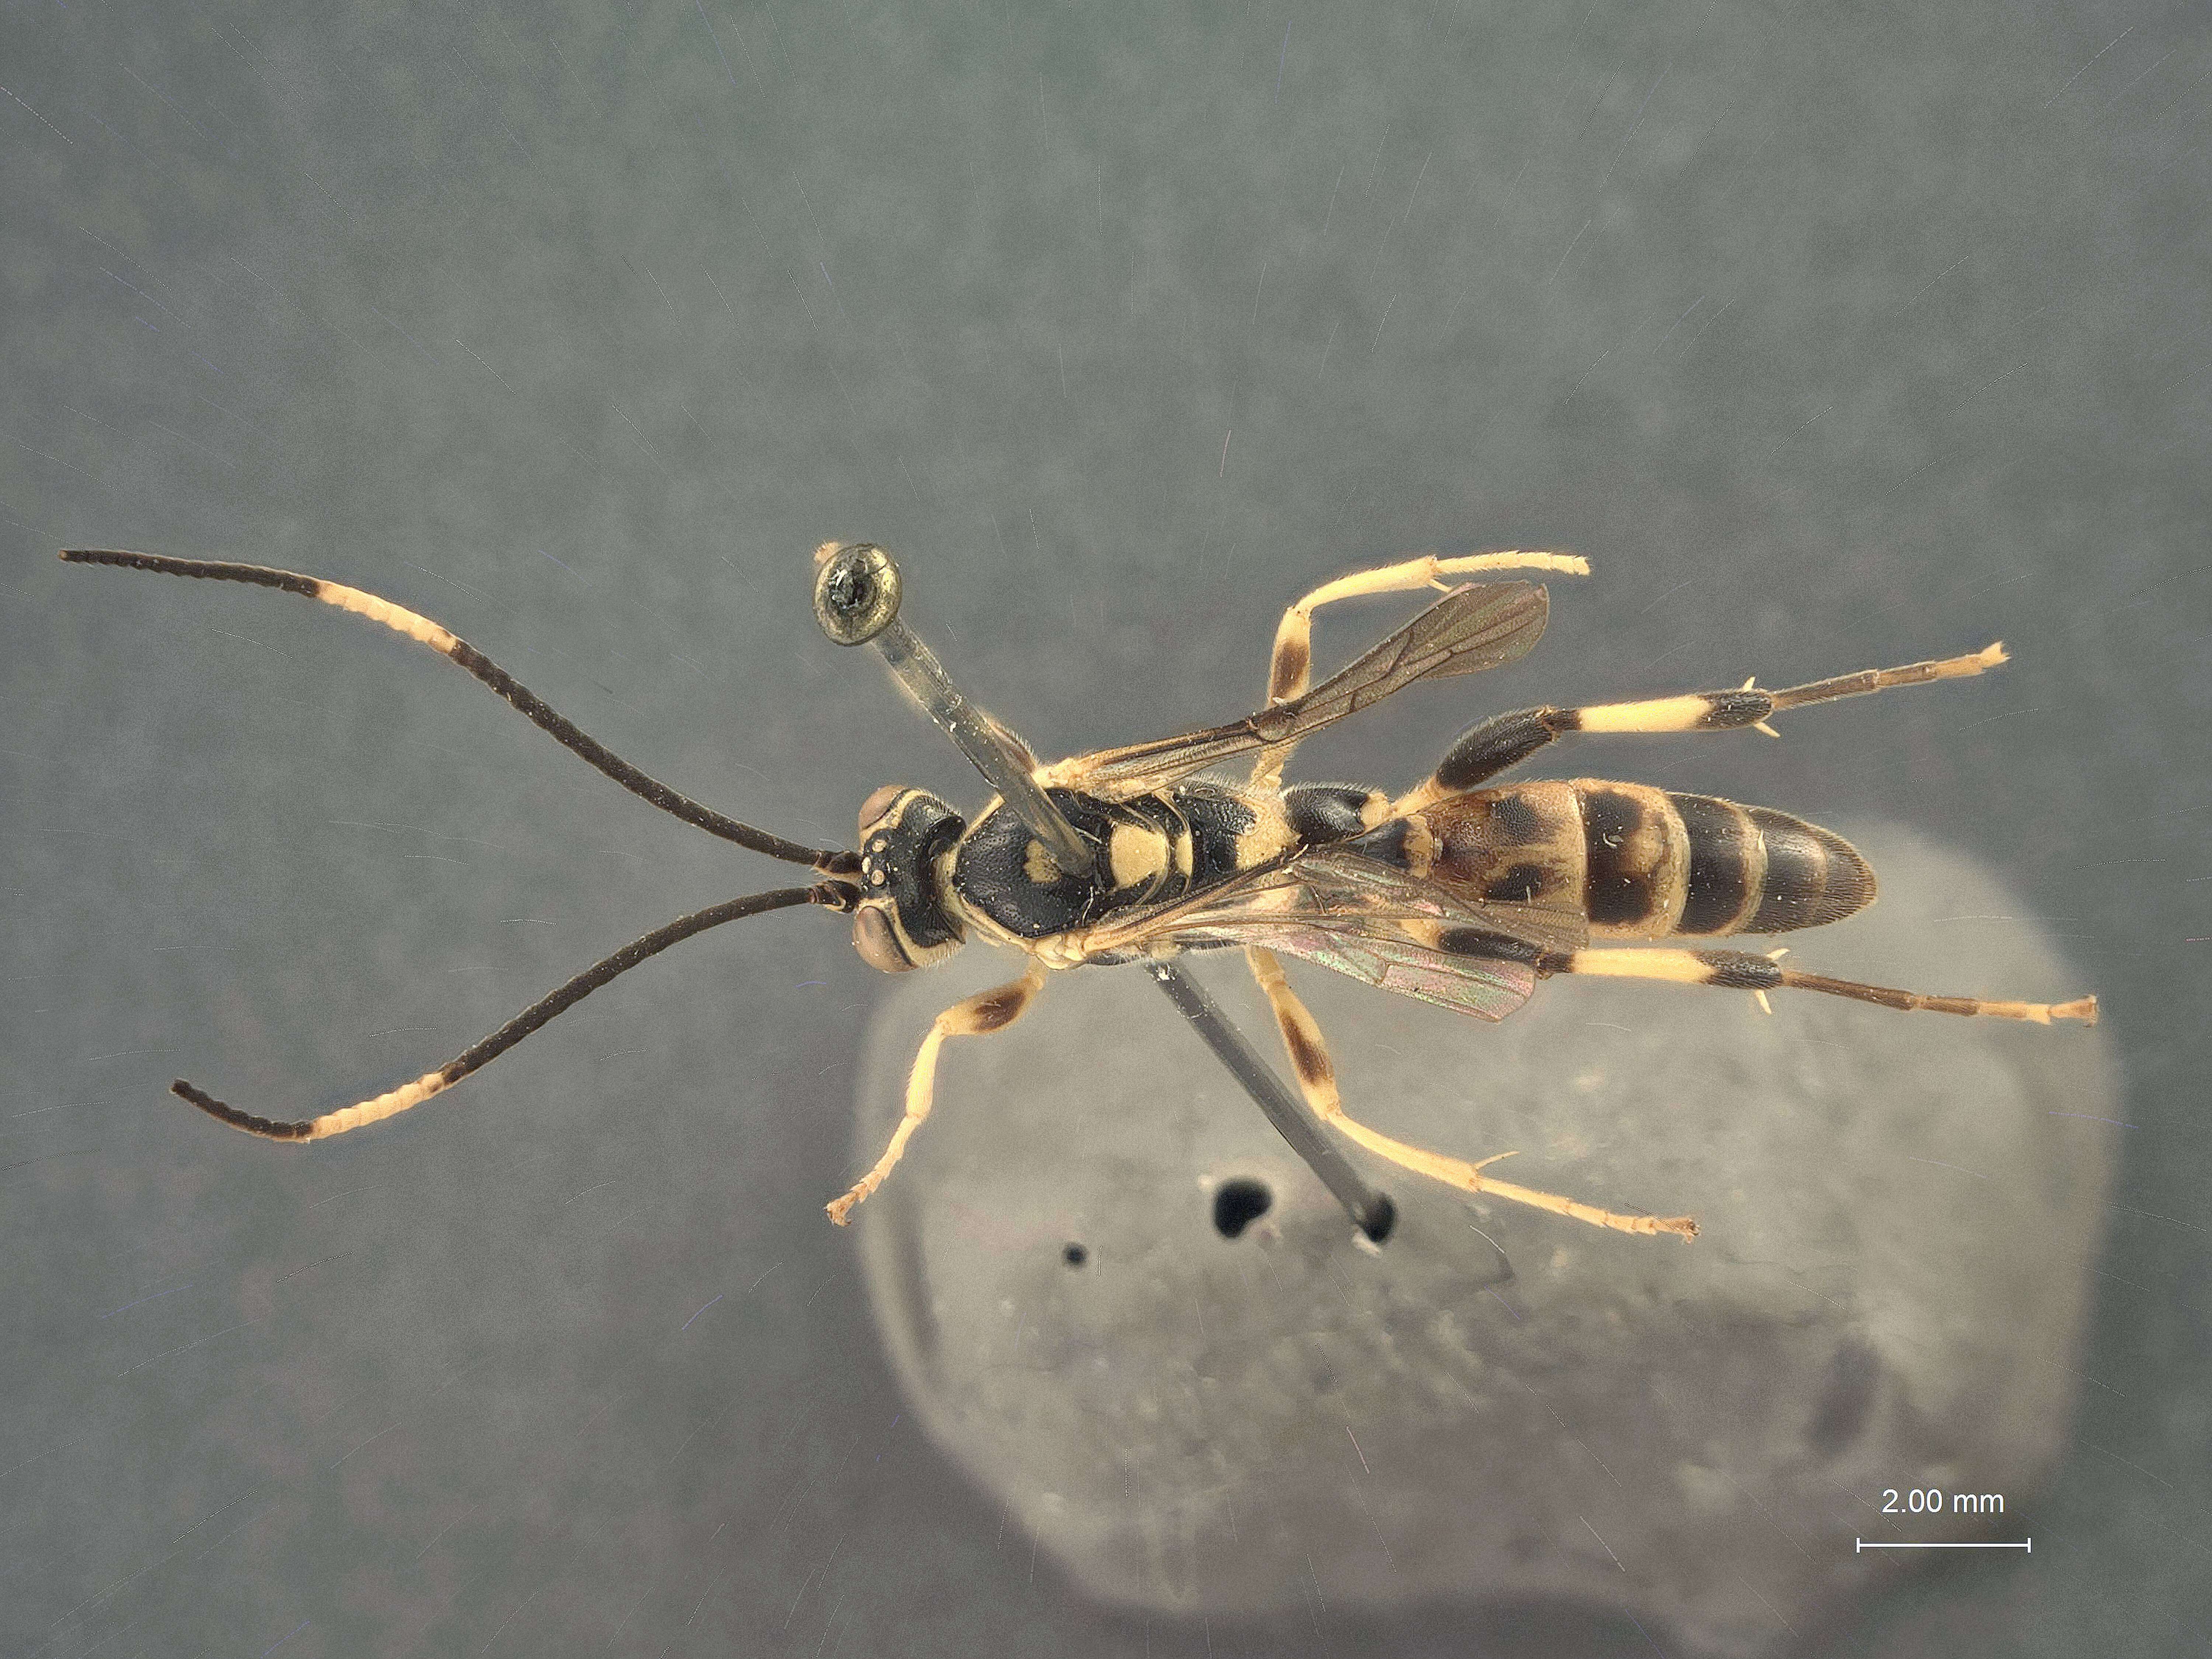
{"x": 978, "y": 1016}
{"x": 1291, "y": 669}
{"x": 1317, "y": 1077}
{"x": 1738, "y": 970}
{"x": 1506, "y": 740}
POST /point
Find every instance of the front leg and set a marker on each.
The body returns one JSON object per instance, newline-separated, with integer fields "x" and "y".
{"x": 977, "y": 1016}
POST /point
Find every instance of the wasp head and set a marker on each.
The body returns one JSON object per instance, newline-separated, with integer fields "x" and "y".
{"x": 902, "y": 920}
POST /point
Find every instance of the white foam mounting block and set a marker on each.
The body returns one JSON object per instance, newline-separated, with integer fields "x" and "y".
{"x": 1900, "y": 1214}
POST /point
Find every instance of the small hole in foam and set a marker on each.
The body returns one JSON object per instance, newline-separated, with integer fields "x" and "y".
{"x": 1237, "y": 1204}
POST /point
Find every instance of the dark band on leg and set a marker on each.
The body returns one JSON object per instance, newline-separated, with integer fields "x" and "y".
{"x": 1738, "y": 970}
{"x": 1728, "y": 711}
{"x": 1491, "y": 946}
{"x": 1504, "y": 741}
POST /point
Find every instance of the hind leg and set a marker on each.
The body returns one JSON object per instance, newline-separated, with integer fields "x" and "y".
{"x": 1739, "y": 970}
{"x": 1317, "y": 1077}
{"x": 1506, "y": 740}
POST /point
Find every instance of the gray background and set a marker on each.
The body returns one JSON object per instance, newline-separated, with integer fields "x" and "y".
{"x": 1834, "y": 336}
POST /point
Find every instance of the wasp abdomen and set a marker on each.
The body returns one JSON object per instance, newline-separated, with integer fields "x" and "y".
{"x": 1640, "y": 862}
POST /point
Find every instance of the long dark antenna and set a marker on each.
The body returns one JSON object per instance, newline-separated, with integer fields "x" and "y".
{"x": 460, "y": 651}
{"x": 836, "y": 895}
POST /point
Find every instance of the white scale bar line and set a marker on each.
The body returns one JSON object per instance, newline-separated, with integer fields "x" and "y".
{"x": 1871, "y": 1544}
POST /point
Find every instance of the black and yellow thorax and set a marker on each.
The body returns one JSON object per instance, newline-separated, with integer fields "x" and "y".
{"x": 1155, "y": 848}
{"x": 928, "y": 876}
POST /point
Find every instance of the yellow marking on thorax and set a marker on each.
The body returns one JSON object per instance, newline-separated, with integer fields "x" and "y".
{"x": 392, "y": 615}
{"x": 1270, "y": 833}
{"x": 1135, "y": 853}
{"x": 1038, "y": 866}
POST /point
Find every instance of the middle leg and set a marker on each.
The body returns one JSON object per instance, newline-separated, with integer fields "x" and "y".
{"x": 1289, "y": 666}
{"x": 1317, "y": 1077}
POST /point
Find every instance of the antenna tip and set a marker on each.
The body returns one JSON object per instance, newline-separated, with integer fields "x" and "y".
{"x": 267, "y": 1129}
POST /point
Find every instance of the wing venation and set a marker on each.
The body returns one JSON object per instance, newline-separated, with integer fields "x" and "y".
{"x": 1481, "y": 626}
{"x": 1362, "y": 919}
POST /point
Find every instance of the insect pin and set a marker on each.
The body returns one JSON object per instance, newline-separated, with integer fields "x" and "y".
{"x": 1459, "y": 892}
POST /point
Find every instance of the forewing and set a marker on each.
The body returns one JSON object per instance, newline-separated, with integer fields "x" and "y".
{"x": 1358, "y": 917}
{"x": 1481, "y": 986}
{"x": 1482, "y": 625}
{"x": 1341, "y": 884}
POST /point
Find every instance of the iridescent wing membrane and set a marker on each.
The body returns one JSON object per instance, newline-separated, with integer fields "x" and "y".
{"x": 1481, "y": 625}
{"x": 1337, "y": 909}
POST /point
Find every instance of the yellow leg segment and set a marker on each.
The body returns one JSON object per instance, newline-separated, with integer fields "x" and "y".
{"x": 1317, "y": 1077}
{"x": 977, "y": 1016}
{"x": 1737, "y": 970}
{"x": 1695, "y": 712}
{"x": 1506, "y": 740}
{"x": 1290, "y": 669}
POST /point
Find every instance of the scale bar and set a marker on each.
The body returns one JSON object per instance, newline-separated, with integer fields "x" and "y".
{"x": 2027, "y": 1544}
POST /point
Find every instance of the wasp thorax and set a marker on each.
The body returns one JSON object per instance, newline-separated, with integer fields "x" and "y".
{"x": 856, "y": 593}
{"x": 902, "y": 920}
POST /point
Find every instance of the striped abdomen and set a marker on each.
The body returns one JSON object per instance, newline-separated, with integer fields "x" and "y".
{"x": 1641, "y": 862}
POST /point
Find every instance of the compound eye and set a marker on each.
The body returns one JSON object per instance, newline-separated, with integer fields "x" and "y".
{"x": 856, "y": 593}
{"x": 879, "y": 804}
{"x": 877, "y": 941}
